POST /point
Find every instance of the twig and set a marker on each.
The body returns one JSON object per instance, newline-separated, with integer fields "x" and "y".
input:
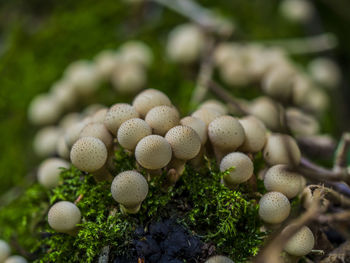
{"x": 334, "y": 217}
{"x": 79, "y": 199}
{"x": 333, "y": 196}
{"x": 104, "y": 255}
{"x": 342, "y": 152}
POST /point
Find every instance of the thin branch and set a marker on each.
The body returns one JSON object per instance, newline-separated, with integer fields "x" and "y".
{"x": 343, "y": 216}
{"x": 333, "y": 196}
{"x": 342, "y": 152}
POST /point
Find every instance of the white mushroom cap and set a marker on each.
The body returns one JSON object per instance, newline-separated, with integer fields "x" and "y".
{"x": 15, "y": 259}
{"x": 70, "y": 119}
{"x": 62, "y": 148}
{"x": 99, "y": 131}
{"x": 206, "y": 115}
{"x": 64, "y": 94}
{"x": 255, "y": 134}
{"x": 130, "y": 78}
{"x": 162, "y": 118}
{"x": 325, "y": 72}
{"x": 184, "y": 141}
{"x": 5, "y": 250}
{"x": 129, "y": 188}
{"x": 226, "y": 51}
{"x": 73, "y": 132}
{"x": 226, "y": 133}
{"x": 197, "y": 125}
{"x": 267, "y": 111}
{"x": 153, "y": 152}
{"x": 301, "y": 243}
{"x": 219, "y": 259}
{"x": 106, "y": 61}
{"x": 242, "y": 171}
{"x": 49, "y": 172}
{"x": 136, "y": 52}
{"x": 317, "y": 100}
{"x": 149, "y": 99}
{"x": 297, "y": 10}
{"x": 117, "y": 114}
{"x": 132, "y": 131}
{"x": 45, "y": 141}
{"x": 43, "y": 110}
{"x": 278, "y": 178}
{"x": 235, "y": 73}
{"x": 215, "y": 105}
{"x": 301, "y": 123}
{"x": 64, "y": 216}
{"x": 302, "y": 85}
{"x": 92, "y": 109}
{"x": 88, "y": 154}
{"x": 99, "y": 116}
{"x": 274, "y": 207}
{"x": 281, "y": 149}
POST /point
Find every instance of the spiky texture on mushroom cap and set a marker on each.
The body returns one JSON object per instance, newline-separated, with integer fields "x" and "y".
{"x": 267, "y": 111}
{"x": 149, "y": 99}
{"x": 99, "y": 131}
{"x": 226, "y": 133}
{"x": 153, "y": 152}
{"x": 197, "y": 125}
{"x": 132, "y": 131}
{"x": 281, "y": 149}
{"x": 301, "y": 243}
{"x": 242, "y": 168}
{"x": 215, "y": 105}
{"x": 64, "y": 216}
{"x": 117, "y": 114}
{"x": 49, "y": 171}
{"x": 255, "y": 134}
{"x": 274, "y": 207}
{"x": 278, "y": 178}
{"x": 16, "y": 259}
{"x": 219, "y": 259}
{"x": 129, "y": 188}
{"x": 162, "y": 118}
{"x": 89, "y": 154}
{"x": 184, "y": 141}
{"x": 206, "y": 115}
{"x": 5, "y": 250}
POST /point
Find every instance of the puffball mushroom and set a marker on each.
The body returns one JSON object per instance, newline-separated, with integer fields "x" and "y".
{"x": 325, "y": 71}
{"x": 215, "y": 105}
{"x": 49, "y": 171}
{"x": 64, "y": 217}
{"x": 5, "y": 250}
{"x": 130, "y": 78}
{"x": 62, "y": 148}
{"x": 129, "y": 189}
{"x": 162, "y": 118}
{"x": 136, "y": 52}
{"x": 89, "y": 154}
{"x": 73, "y": 132}
{"x": 255, "y": 134}
{"x": 267, "y": 111}
{"x": 117, "y": 114}
{"x": 149, "y": 99}
{"x": 153, "y": 152}
{"x": 45, "y": 141}
{"x": 44, "y": 109}
{"x": 219, "y": 259}
{"x": 281, "y": 149}
{"x": 99, "y": 116}
{"x": 278, "y": 178}
{"x": 97, "y": 130}
{"x": 64, "y": 94}
{"x": 301, "y": 243}
{"x": 206, "y": 115}
{"x": 235, "y": 73}
{"x": 132, "y": 131}
{"x": 106, "y": 62}
{"x": 242, "y": 168}
{"x": 274, "y": 207}
{"x": 301, "y": 123}
{"x": 197, "y": 125}
{"x": 15, "y": 259}
{"x": 297, "y": 10}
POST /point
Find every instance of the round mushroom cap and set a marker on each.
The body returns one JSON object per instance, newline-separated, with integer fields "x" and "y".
{"x": 242, "y": 168}
{"x": 106, "y": 61}
{"x": 206, "y": 115}
{"x": 117, "y": 114}
{"x": 64, "y": 216}
{"x": 226, "y": 51}
{"x": 162, "y": 118}
{"x": 99, "y": 116}
{"x": 197, "y": 125}
{"x": 325, "y": 72}
{"x": 267, "y": 111}
{"x": 219, "y": 259}
{"x": 45, "y": 141}
{"x": 89, "y": 154}
{"x": 281, "y": 149}
{"x": 255, "y": 134}
{"x": 136, "y": 52}
{"x": 302, "y": 123}
{"x": 149, "y": 99}
{"x": 153, "y": 152}
{"x": 278, "y": 178}
{"x": 215, "y": 105}
{"x": 73, "y": 132}
{"x": 92, "y": 109}
{"x": 62, "y": 148}
{"x": 184, "y": 141}
{"x": 5, "y": 250}
{"x": 49, "y": 172}
{"x": 99, "y": 131}
{"x": 15, "y": 259}
{"x": 130, "y": 78}
{"x": 129, "y": 188}
{"x": 301, "y": 243}
{"x": 317, "y": 100}
{"x": 69, "y": 119}
{"x": 132, "y": 131}
{"x": 226, "y": 133}
{"x": 274, "y": 207}
{"x": 296, "y": 10}
{"x": 234, "y": 73}
{"x": 43, "y": 110}
{"x": 64, "y": 94}
{"x": 302, "y": 85}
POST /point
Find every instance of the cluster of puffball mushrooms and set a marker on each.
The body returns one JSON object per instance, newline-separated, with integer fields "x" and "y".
{"x": 151, "y": 129}
{"x": 5, "y": 254}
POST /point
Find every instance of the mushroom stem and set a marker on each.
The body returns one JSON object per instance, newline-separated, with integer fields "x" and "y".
{"x": 197, "y": 161}
{"x": 130, "y": 210}
{"x": 172, "y": 177}
{"x": 219, "y": 154}
{"x": 103, "y": 174}
{"x": 178, "y": 165}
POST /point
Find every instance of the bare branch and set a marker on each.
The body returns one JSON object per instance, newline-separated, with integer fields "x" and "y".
{"x": 342, "y": 152}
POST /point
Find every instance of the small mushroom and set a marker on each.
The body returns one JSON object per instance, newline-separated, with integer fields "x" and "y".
{"x": 5, "y": 250}
{"x": 129, "y": 79}
{"x": 267, "y": 111}
{"x": 239, "y": 166}
{"x": 62, "y": 148}
{"x": 153, "y": 152}
{"x": 88, "y": 154}
{"x": 129, "y": 189}
{"x": 162, "y": 118}
{"x": 299, "y": 11}
{"x": 136, "y": 52}
{"x": 99, "y": 131}
{"x": 15, "y": 259}
{"x": 206, "y": 115}
{"x": 99, "y": 116}
{"x": 301, "y": 243}
{"x": 235, "y": 73}
{"x": 281, "y": 149}
{"x": 132, "y": 131}
{"x": 302, "y": 123}
{"x": 274, "y": 207}
{"x": 45, "y": 141}
{"x": 325, "y": 72}
{"x": 149, "y": 99}
{"x": 44, "y": 109}
{"x": 255, "y": 134}
{"x": 117, "y": 114}
{"x": 64, "y": 94}
{"x": 49, "y": 171}
{"x": 64, "y": 217}
{"x": 215, "y": 105}
{"x": 198, "y": 125}
{"x": 218, "y": 259}
{"x": 70, "y": 119}
{"x": 106, "y": 62}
